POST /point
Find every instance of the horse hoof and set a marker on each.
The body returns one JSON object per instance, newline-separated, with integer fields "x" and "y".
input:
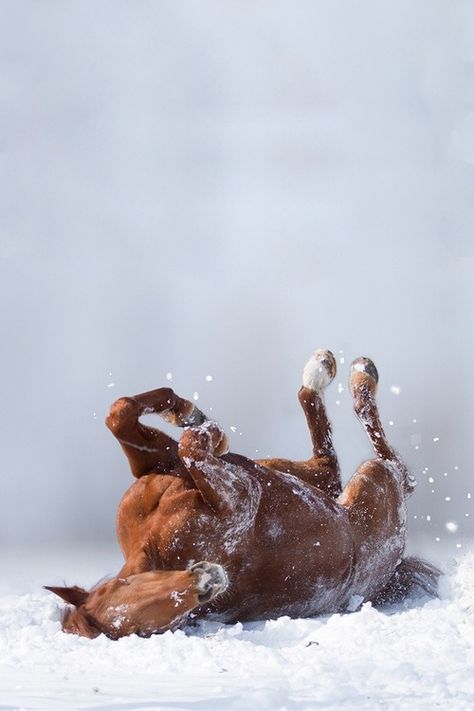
{"x": 319, "y": 371}
{"x": 212, "y": 580}
{"x": 363, "y": 372}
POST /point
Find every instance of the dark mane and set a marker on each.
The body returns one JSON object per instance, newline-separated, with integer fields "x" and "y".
{"x": 104, "y": 579}
{"x": 153, "y": 555}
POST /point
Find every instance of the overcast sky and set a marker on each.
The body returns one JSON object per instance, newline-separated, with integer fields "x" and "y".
{"x": 208, "y": 188}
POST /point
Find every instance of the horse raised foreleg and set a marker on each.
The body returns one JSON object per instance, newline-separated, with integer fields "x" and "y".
{"x": 226, "y": 483}
{"x": 148, "y": 449}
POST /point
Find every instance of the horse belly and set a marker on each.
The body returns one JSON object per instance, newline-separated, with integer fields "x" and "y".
{"x": 313, "y": 569}
{"x": 298, "y": 562}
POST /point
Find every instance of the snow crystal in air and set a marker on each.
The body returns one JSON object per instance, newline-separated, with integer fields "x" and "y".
{"x": 447, "y": 498}
{"x": 340, "y": 387}
{"x": 435, "y": 439}
{"x": 390, "y": 422}
{"x": 169, "y": 376}
{"x": 341, "y": 360}
{"x": 195, "y": 396}
{"x": 234, "y": 429}
{"x": 430, "y": 479}
{"x": 452, "y": 526}
{"x": 208, "y": 378}
{"x": 395, "y": 389}
{"x": 110, "y": 385}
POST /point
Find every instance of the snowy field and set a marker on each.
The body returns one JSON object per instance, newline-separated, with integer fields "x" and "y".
{"x": 199, "y": 195}
{"x": 420, "y": 656}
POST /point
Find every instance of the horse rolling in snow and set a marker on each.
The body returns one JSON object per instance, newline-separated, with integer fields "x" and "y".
{"x": 283, "y": 536}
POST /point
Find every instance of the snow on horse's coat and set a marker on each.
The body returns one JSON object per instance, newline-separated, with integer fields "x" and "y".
{"x": 283, "y": 537}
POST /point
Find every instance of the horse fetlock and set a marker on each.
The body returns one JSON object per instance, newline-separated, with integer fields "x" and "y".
{"x": 179, "y": 414}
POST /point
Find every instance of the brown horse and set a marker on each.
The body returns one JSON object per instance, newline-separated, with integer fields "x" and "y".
{"x": 284, "y": 538}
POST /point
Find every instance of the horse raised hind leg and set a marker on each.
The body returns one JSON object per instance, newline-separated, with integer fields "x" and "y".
{"x": 322, "y": 469}
{"x": 375, "y": 499}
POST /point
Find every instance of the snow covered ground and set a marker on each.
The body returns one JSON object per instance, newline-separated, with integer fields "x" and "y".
{"x": 420, "y": 656}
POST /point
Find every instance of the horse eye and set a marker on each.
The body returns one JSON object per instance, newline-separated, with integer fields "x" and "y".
{"x": 125, "y": 581}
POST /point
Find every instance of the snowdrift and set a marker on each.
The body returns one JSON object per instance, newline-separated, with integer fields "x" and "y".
{"x": 416, "y": 656}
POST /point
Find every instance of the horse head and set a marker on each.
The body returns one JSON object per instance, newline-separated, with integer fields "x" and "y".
{"x": 144, "y": 604}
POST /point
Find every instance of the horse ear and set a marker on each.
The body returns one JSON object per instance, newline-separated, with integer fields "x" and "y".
{"x": 73, "y": 596}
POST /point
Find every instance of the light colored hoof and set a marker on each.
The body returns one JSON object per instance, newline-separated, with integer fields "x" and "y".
{"x": 363, "y": 372}
{"x": 319, "y": 371}
{"x": 211, "y": 580}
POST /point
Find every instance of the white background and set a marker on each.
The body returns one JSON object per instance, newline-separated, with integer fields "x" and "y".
{"x": 209, "y": 188}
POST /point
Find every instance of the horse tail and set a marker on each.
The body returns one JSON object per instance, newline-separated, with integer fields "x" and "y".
{"x": 413, "y": 577}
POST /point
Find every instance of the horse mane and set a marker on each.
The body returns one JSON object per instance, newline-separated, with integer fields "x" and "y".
{"x": 104, "y": 579}
{"x": 153, "y": 555}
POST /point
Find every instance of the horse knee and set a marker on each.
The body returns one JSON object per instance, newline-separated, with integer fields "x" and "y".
{"x": 121, "y": 414}
{"x": 197, "y": 443}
